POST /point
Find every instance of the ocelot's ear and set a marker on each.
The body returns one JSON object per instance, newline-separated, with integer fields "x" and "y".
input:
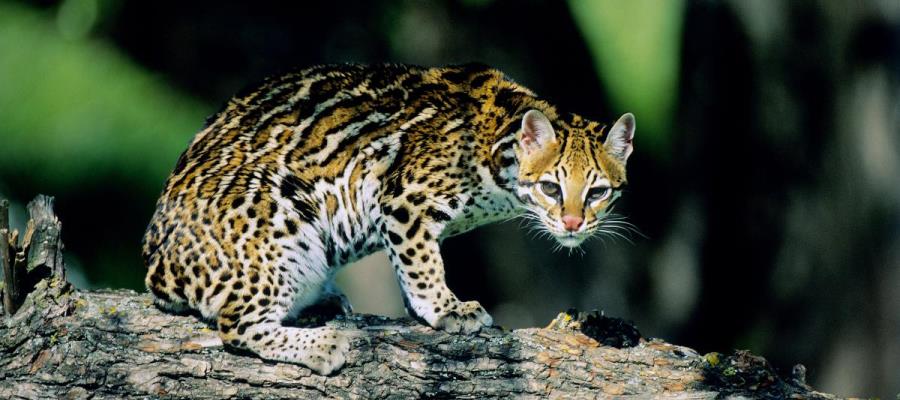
{"x": 536, "y": 132}
{"x": 618, "y": 140}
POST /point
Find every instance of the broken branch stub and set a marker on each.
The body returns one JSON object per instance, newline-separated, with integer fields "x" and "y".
{"x": 39, "y": 255}
{"x": 42, "y": 238}
{"x": 8, "y": 290}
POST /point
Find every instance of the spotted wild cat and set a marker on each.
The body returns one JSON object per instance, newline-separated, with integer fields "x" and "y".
{"x": 317, "y": 168}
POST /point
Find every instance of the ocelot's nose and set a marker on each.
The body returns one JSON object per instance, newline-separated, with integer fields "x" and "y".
{"x": 571, "y": 222}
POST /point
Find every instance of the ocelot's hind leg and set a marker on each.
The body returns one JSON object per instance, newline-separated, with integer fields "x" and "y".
{"x": 261, "y": 331}
{"x": 257, "y": 316}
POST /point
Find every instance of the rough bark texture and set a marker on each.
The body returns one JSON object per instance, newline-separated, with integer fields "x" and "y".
{"x": 65, "y": 343}
{"x": 115, "y": 344}
{"x": 38, "y": 256}
{"x": 8, "y": 290}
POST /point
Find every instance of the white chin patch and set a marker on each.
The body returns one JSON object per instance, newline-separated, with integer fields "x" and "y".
{"x": 569, "y": 241}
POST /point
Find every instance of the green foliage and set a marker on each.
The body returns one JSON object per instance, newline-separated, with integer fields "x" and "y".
{"x": 76, "y": 111}
{"x": 635, "y": 46}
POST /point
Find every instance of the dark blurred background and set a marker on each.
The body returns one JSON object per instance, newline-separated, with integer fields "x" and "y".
{"x": 766, "y": 176}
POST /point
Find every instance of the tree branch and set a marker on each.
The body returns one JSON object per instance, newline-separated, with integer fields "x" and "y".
{"x": 115, "y": 344}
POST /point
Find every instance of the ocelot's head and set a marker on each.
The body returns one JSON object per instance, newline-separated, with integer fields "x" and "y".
{"x": 570, "y": 172}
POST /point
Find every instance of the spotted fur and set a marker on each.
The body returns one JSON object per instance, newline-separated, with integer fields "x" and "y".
{"x": 315, "y": 169}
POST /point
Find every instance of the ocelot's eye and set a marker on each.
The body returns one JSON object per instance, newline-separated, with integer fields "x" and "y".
{"x": 550, "y": 189}
{"x": 598, "y": 193}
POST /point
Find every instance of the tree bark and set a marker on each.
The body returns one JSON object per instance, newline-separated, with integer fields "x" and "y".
{"x": 66, "y": 343}
{"x": 38, "y": 256}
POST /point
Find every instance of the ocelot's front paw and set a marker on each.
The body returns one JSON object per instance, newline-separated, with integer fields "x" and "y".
{"x": 465, "y": 317}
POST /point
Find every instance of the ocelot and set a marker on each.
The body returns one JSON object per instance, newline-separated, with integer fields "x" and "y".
{"x": 317, "y": 168}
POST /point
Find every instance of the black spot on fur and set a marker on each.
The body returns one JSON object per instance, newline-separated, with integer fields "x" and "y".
{"x": 395, "y": 238}
{"x": 479, "y": 80}
{"x": 291, "y": 226}
{"x": 405, "y": 259}
{"x": 217, "y": 289}
{"x": 414, "y": 228}
{"x": 401, "y": 215}
{"x": 159, "y": 293}
{"x": 437, "y": 215}
{"x": 416, "y": 198}
{"x": 182, "y": 162}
